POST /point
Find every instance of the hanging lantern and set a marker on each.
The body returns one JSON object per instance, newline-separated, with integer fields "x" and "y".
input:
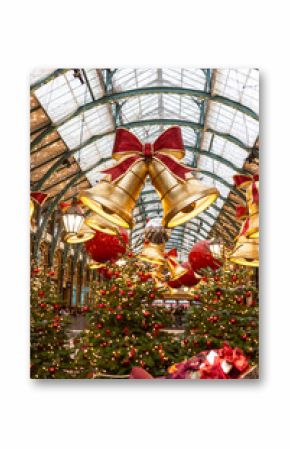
{"x": 246, "y": 252}
{"x": 201, "y": 256}
{"x": 101, "y": 224}
{"x": 153, "y": 253}
{"x": 216, "y": 248}
{"x": 73, "y": 217}
{"x": 84, "y": 234}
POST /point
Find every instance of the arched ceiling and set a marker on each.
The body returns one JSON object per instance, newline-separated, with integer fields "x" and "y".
{"x": 75, "y": 112}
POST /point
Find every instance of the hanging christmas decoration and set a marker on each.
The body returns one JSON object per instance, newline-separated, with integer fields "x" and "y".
{"x": 155, "y": 231}
{"x": 200, "y": 256}
{"x": 99, "y": 223}
{"x": 176, "y": 270}
{"x": 37, "y": 198}
{"x": 84, "y": 234}
{"x": 246, "y": 252}
{"x": 73, "y": 216}
{"x": 182, "y": 195}
{"x": 250, "y": 227}
{"x": 188, "y": 279}
{"x": 103, "y": 247}
{"x": 153, "y": 253}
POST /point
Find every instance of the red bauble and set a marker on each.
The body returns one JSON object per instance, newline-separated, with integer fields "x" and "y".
{"x": 108, "y": 331}
{"x": 248, "y": 294}
{"x": 41, "y": 293}
{"x": 118, "y": 317}
{"x": 103, "y": 247}
{"x": 234, "y": 277}
{"x": 52, "y": 369}
{"x": 152, "y": 296}
{"x": 42, "y": 305}
{"x": 201, "y": 256}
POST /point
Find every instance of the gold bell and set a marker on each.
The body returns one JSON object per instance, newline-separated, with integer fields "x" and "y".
{"x": 116, "y": 200}
{"x": 101, "y": 224}
{"x": 153, "y": 253}
{"x": 31, "y": 208}
{"x": 246, "y": 252}
{"x": 253, "y": 208}
{"x": 96, "y": 265}
{"x": 175, "y": 269}
{"x": 84, "y": 234}
{"x": 181, "y": 200}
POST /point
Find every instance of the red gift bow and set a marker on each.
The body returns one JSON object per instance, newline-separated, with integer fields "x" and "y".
{"x": 171, "y": 256}
{"x": 243, "y": 181}
{"x": 38, "y": 197}
{"x": 126, "y": 143}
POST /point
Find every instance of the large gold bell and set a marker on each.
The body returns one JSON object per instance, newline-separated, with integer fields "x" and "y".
{"x": 246, "y": 252}
{"x": 181, "y": 200}
{"x": 253, "y": 229}
{"x": 153, "y": 253}
{"x": 116, "y": 200}
{"x": 101, "y": 224}
{"x": 175, "y": 269}
{"x": 84, "y": 234}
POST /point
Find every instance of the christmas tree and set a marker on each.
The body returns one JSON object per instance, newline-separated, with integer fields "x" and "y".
{"x": 49, "y": 351}
{"x": 125, "y": 328}
{"x": 227, "y": 312}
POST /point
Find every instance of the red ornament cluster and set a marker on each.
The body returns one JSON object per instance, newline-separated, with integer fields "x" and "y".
{"x": 104, "y": 247}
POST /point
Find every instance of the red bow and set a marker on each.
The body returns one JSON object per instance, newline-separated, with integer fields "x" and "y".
{"x": 241, "y": 211}
{"x": 166, "y": 148}
{"x": 171, "y": 257}
{"x": 244, "y": 181}
{"x": 38, "y": 197}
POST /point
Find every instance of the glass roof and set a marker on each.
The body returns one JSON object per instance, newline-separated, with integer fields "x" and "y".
{"x": 217, "y": 110}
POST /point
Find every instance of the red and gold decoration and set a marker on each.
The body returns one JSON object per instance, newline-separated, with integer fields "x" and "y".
{"x": 153, "y": 253}
{"x": 182, "y": 196}
{"x": 99, "y": 223}
{"x": 103, "y": 247}
{"x": 201, "y": 256}
{"x": 176, "y": 270}
{"x": 250, "y": 227}
{"x": 37, "y": 198}
{"x": 84, "y": 234}
{"x": 246, "y": 251}
{"x": 188, "y": 279}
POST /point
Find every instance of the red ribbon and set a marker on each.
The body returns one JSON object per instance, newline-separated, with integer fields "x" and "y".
{"x": 245, "y": 227}
{"x": 130, "y": 149}
{"x": 38, "y": 197}
{"x": 243, "y": 181}
{"x": 241, "y": 211}
{"x": 171, "y": 256}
